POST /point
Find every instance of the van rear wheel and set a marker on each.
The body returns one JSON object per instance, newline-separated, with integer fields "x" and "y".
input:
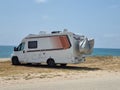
{"x": 15, "y": 61}
{"x": 51, "y": 62}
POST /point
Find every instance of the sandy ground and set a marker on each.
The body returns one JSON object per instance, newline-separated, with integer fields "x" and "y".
{"x": 100, "y": 80}
{"x": 4, "y": 59}
{"x": 97, "y": 73}
{"x": 102, "y": 83}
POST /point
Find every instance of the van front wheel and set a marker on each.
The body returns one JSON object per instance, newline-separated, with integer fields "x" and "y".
{"x": 15, "y": 61}
{"x": 51, "y": 62}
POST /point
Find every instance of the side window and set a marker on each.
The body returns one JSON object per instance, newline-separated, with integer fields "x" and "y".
{"x": 21, "y": 46}
{"x": 32, "y": 44}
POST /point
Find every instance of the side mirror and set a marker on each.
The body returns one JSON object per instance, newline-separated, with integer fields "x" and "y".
{"x": 15, "y": 49}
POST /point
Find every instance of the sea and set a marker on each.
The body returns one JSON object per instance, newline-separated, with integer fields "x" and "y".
{"x": 6, "y": 51}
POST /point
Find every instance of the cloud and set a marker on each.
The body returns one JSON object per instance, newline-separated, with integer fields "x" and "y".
{"x": 41, "y": 1}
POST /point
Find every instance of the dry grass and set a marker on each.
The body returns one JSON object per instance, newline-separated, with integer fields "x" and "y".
{"x": 108, "y": 63}
{"x": 104, "y": 63}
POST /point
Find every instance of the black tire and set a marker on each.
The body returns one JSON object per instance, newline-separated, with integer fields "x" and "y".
{"x": 29, "y": 63}
{"x": 63, "y": 65}
{"x": 51, "y": 62}
{"x": 15, "y": 61}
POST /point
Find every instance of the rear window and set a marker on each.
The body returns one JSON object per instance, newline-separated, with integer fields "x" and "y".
{"x": 32, "y": 44}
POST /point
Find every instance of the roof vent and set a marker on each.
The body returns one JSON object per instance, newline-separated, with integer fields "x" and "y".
{"x": 53, "y": 32}
{"x": 42, "y": 32}
{"x": 65, "y": 30}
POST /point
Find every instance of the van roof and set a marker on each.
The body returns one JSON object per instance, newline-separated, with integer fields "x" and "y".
{"x": 53, "y": 33}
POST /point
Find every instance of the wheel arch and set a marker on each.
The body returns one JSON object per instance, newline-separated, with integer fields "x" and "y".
{"x": 50, "y": 59}
{"x": 14, "y": 57}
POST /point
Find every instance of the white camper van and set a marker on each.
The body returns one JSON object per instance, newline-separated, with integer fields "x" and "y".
{"x": 54, "y": 48}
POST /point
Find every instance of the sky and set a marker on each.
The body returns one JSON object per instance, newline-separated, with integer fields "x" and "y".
{"x": 98, "y": 19}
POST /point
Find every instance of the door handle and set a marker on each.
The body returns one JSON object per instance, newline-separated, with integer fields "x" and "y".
{"x": 23, "y": 51}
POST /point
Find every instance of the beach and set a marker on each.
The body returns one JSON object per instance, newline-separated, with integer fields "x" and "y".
{"x": 4, "y": 59}
{"x": 96, "y": 73}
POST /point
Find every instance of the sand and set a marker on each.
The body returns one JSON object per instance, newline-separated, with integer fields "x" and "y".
{"x": 95, "y": 71}
{"x": 4, "y": 59}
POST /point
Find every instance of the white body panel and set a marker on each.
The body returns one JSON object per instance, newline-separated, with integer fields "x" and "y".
{"x": 61, "y": 47}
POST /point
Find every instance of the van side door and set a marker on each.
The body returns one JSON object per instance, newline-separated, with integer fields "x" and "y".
{"x": 33, "y": 52}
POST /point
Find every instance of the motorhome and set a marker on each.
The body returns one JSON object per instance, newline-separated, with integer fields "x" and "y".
{"x": 57, "y": 47}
